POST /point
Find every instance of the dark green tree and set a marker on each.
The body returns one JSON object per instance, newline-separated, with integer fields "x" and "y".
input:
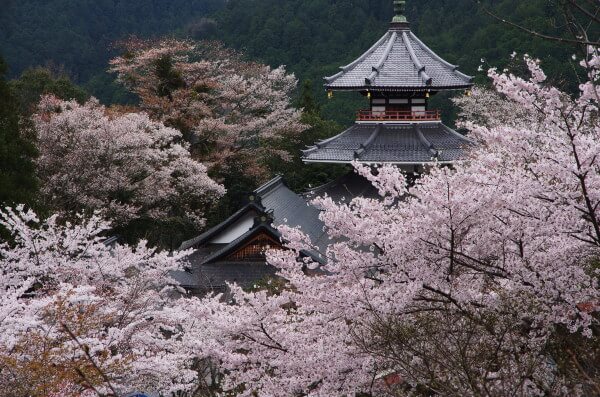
{"x": 17, "y": 174}
{"x": 36, "y": 82}
{"x": 307, "y": 99}
{"x": 169, "y": 78}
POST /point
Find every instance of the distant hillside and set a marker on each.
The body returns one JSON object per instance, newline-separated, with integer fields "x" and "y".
{"x": 77, "y": 34}
{"x": 314, "y": 37}
{"x": 311, "y": 37}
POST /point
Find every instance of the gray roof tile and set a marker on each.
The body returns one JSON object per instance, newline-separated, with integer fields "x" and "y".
{"x": 291, "y": 209}
{"x": 401, "y": 143}
{"x": 215, "y": 276}
{"x": 399, "y": 61}
{"x": 208, "y": 268}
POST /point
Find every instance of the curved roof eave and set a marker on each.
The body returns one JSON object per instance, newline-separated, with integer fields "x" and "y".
{"x": 398, "y": 88}
{"x": 365, "y": 71}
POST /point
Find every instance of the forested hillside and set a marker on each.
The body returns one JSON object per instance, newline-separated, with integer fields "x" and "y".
{"x": 77, "y": 35}
{"x": 311, "y": 37}
{"x": 314, "y": 37}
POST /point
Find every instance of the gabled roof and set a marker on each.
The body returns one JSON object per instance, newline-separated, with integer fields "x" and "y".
{"x": 238, "y": 243}
{"x": 399, "y": 61}
{"x": 291, "y": 209}
{"x": 275, "y": 205}
{"x": 212, "y": 232}
{"x": 404, "y": 144}
{"x": 277, "y": 201}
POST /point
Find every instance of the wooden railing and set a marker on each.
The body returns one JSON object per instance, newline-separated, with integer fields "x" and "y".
{"x": 424, "y": 115}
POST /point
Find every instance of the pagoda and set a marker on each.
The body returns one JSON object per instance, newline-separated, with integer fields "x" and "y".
{"x": 398, "y": 75}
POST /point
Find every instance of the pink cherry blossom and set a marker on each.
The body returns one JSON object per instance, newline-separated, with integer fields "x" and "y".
{"x": 233, "y": 111}
{"x": 460, "y": 285}
{"x": 125, "y": 164}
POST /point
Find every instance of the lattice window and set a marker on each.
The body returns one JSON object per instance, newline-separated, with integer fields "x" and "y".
{"x": 254, "y": 250}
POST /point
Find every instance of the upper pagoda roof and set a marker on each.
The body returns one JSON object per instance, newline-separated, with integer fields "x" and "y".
{"x": 399, "y": 61}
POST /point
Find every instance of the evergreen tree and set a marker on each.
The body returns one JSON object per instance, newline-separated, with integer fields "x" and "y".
{"x": 35, "y": 82}
{"x": 307, "y": 99}
{"x": 17, "y": 177}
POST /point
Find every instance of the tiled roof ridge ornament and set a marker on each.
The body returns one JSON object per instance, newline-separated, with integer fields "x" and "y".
{"x": 399, "y": 21}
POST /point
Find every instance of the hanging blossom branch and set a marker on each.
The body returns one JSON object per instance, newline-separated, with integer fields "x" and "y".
{"x": 461, "y": 286}
{"x": 532, "y": 32}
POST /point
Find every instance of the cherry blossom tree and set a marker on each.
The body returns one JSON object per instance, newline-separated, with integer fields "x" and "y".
{"x": 232, "y": 111}
{"x": 131, "y": 167}
{"x": 80, "y": 318}
{"x": 490, "y": 108}
{"x": 479, "y": 281}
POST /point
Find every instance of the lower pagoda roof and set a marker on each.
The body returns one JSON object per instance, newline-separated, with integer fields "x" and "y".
{"x": 401, "y": 143}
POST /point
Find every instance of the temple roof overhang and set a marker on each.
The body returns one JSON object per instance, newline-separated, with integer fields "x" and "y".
{"x": 271, "y": 205}
{"x": 392, "y": 143}
{"x": 398, "y": 62}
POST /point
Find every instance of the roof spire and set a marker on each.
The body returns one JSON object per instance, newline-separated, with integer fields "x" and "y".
{"x": 399, "y": 7}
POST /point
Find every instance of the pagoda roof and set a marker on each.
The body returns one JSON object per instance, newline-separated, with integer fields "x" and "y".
{"x": 392, "y": 143}
{"x": 399, "y": 61}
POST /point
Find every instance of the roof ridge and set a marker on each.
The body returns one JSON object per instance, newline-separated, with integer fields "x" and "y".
{"x": 437, "y": 57}
{"x": 434, "y": 152}
{"x": 359, "y": 59}
{"x": 413, "y": 56}
{"x": 384, "y": 57}
{"x": 269, "y": 185}
{"x": 365, "y": 145}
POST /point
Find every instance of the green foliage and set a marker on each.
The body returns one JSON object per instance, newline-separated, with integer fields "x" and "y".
{"x": 311, "y": 37}
{"x": 306, "y": 100}
{"x": 169, "y": 79}
{"x": 79, "y": 34}
{"x": 314, "y": 37}
{"x": 167, "y": 233}
{"x": 36, "y": 82}
{"x": 17, "y": 178}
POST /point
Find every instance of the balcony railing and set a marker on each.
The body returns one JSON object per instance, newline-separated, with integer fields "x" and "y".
{"x": 422, "y": 115}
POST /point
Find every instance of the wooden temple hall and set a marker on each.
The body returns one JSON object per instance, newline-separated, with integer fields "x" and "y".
{"x": 398, "y": 75}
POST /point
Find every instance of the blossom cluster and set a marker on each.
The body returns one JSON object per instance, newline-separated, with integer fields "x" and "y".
{"x": 231, "y": 110}
{"x": 459, "y": 284}
{"x": 129, "y": 166}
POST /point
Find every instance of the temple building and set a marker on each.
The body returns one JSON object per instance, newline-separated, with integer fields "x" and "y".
{"x": 398, "y": 75}
{"x": 234, "y": 250}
